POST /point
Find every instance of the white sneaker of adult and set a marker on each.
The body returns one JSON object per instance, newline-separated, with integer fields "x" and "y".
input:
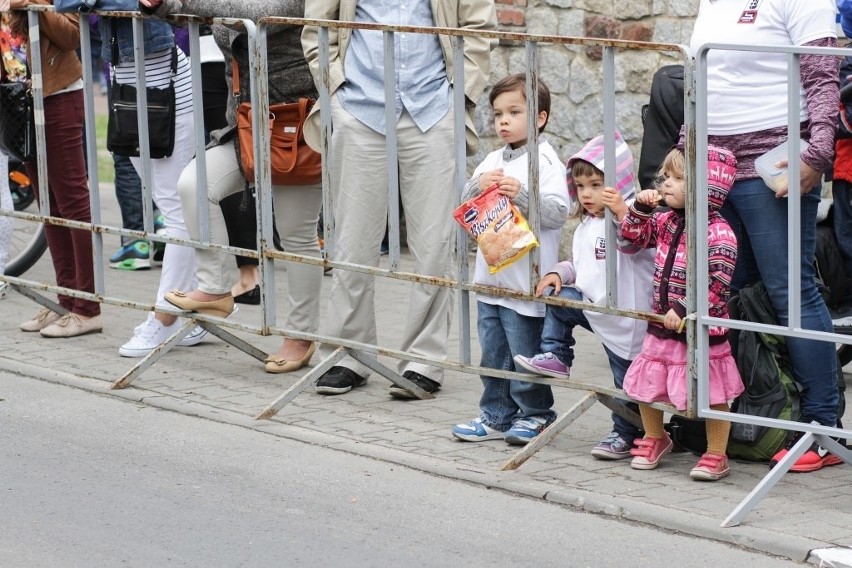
{"x": 151, "y": 333}
{"x": 194, "y": 337}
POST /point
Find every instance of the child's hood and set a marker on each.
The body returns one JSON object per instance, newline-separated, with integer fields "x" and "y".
{"x": 593, "y": 152}
{"x": 721, "y": 173}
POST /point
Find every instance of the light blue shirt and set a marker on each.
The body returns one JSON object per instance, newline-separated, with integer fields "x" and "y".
{"x": 422, "y": 87}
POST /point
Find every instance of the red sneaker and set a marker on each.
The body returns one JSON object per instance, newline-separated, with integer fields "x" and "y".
{"x": 815, "y": 458}
{"x": 711, "y": 467}
{"x": 648, "y": 451}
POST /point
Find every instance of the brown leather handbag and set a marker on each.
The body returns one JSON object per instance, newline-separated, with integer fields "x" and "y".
{"x": 293, "y": 161}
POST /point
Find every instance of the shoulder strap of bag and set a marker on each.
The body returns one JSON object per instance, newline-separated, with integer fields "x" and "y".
{"x": 235, "y": 77}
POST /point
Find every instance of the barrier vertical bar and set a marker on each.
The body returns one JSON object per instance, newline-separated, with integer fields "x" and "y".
{"x": 459, "y": 138}
{"x": 142, "y": 121}
{"x": 37, "y": 87}
{"x": 533, "y": 188}
{"x": 325, "y": 139}
{"x": 609, "y": 128}
{"x": 390, "y": 135}
{"x": 695, "y": 166}
{"x": 90, "y": 144}
{"x": 261, "y": 138}
{"x": 198, "y": 116}
{"x": 794, "y": 195}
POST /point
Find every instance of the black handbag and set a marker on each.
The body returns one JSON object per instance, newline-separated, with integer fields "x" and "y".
{"x": 17, "y": 123}
{"x": 123, "y": 125}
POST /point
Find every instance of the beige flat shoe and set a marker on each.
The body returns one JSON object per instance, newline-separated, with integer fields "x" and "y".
{"x": 72, "y": 325}
{"x": 44, "y": 318}
{"x": 221, "y": 308}
{"x": 276, "y": 365}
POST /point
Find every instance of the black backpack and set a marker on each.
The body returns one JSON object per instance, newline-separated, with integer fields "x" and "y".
{"x": 662, "y": 119}
{"x": 764, "y": 365}
{"x": 830, "y": 265}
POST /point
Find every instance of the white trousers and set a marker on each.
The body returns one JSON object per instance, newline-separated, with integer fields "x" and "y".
{"x": 296, "y": 215}
{"x": 178, "y": 271}
{"x": 359, "y": 181}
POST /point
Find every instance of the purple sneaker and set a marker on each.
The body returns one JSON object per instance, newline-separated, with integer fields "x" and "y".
{"x": 544, "y": 364}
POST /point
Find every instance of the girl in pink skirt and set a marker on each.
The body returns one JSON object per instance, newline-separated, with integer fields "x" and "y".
{"x": 658, "y": 374}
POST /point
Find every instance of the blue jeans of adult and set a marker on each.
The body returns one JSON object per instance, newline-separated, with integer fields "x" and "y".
{"x": 557, "y": 337}
{"x": 504, "y": 333}
{"x": 128, "y": 193}
{"x": 759, "y": 220}
{"x": 842, "y": 191}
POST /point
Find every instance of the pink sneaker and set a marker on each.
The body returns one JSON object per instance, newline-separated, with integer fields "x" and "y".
{"x": 710, "y": 467}
{"x": 648, "y": 452}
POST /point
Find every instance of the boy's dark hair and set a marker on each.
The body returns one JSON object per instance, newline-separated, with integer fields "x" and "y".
{"x": 518, "y": 82}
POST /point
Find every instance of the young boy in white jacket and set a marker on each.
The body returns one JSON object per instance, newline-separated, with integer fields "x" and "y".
{"x": 584, "y": 279}
{"x": 516, "y": 411}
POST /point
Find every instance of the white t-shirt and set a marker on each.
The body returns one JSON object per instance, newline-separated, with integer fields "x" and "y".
{"x": 635, "y": 287}
{"x": 552, "y": 182}
{"x": 747, "y": 91}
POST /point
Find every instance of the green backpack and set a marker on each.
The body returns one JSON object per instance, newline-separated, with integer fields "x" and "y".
{"x": 770, "y": 390}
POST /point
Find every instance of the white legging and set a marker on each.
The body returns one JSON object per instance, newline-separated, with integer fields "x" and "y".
{"x": 178, "y": 261}
{"x": 5, "y": 204}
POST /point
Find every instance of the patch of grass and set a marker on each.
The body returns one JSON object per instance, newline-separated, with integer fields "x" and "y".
{"x": 106, "y": 168}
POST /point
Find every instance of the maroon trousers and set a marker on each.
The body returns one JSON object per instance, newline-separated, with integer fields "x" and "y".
{"x": 70, "y": 249}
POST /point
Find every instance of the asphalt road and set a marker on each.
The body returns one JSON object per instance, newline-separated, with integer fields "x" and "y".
{"x": 90, "y": 480}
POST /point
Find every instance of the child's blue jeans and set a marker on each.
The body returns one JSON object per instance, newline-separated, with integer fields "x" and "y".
{"x": 557, "y": 337}
{"x": 504, "y": 333}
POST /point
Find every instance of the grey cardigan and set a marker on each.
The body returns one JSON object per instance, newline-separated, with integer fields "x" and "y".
{"x": 289, "y": 76}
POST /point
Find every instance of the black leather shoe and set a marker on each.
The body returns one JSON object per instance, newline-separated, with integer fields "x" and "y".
{"x": 424, "y": 383}
{"x": 339, "y": 380}
{"x": 251, "y": 297}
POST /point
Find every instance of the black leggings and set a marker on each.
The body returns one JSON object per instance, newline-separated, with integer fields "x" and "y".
{"x": 241, "y": 221}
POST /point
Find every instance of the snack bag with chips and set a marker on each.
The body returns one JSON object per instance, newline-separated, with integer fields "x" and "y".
{"x": 500, "y": 230}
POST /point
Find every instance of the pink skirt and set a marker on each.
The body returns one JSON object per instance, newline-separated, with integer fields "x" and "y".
{"x": 658, "y": 374}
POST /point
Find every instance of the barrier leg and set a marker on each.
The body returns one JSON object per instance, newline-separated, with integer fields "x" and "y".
{"x": 768, "y": 482}
{"x": 154, "y": 356}
{"x": 783, "y": 466}
{"x": 613, "y": 404}
{"x": 39, "y": 299}
{"x": 300, "y": 385}
{"x": 233, "y": 340}
{"x": 550, "y": 432}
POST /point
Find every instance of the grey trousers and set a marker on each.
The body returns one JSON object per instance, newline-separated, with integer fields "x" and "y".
{"x": 296, "y": 213}
{"x": 359, "y": 185}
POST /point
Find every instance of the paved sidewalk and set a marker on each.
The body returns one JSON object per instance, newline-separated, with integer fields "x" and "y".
{"x": 216, "y": 381}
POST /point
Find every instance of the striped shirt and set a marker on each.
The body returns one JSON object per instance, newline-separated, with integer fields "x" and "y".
{"x": 158, "y": 72}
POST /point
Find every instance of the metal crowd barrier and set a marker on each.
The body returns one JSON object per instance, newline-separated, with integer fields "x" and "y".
{"x": 825, "y": 436}
{"x": 698, "y": 321}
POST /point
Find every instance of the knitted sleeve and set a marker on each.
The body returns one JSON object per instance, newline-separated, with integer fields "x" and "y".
{"x": 638, "y": 228}
{"x": 722, "y": 257}
{"x": 820, "y": 77}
